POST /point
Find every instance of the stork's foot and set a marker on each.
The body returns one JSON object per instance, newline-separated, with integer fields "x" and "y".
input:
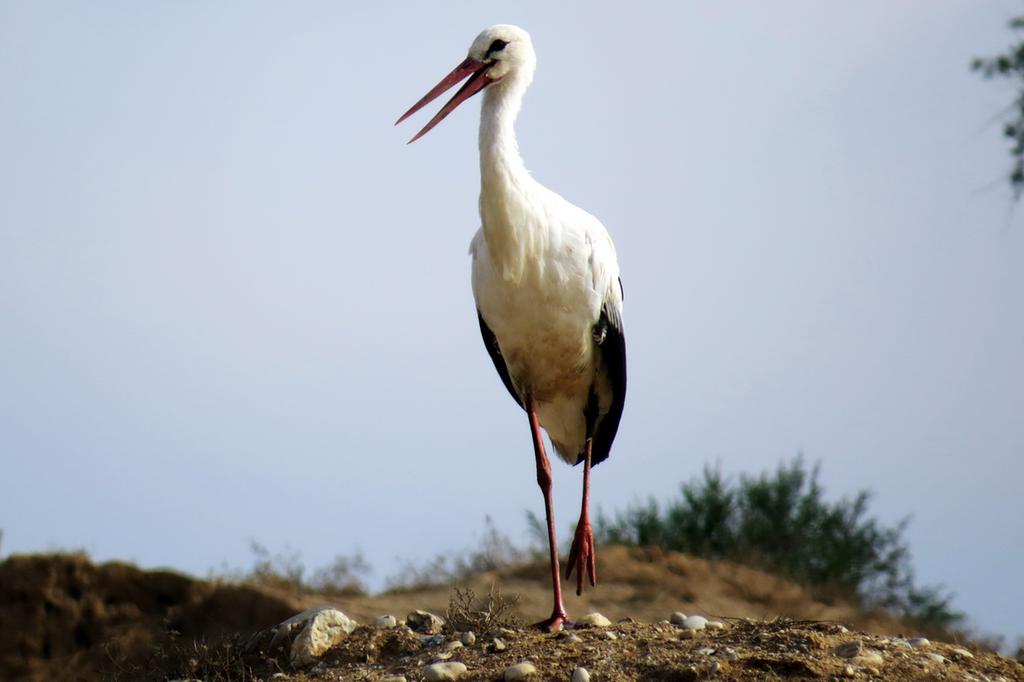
{"x": 557, "y": 621}
{"x": 582, "y": 556}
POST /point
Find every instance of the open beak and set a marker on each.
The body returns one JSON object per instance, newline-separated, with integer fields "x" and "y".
{"x": 478, "y": 80}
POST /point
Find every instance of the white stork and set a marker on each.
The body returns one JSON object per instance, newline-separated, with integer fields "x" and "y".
{"x": 547, "y": 290}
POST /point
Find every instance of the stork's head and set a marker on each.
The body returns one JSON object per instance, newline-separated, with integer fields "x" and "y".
{"x": 507, "y": 50}
{"x": 501, "y": 56}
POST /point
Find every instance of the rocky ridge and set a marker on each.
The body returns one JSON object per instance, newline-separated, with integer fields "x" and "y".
{"x": 680, "y": 648}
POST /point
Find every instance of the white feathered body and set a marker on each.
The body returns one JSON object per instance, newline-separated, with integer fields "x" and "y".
{"x": 543, "y": 269}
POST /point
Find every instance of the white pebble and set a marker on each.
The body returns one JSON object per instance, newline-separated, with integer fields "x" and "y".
{"x": 468, "y": 638}
{"x": 918, "y": 642}
{"x": 706, "y": 651}
{"x": 610, "y": 635}
{"x": 386, "y": 622}
{"x": 935, "y": 658}
{"x": 452, "y": 645}
{"x": 593, "y": 620}
{"x": 441, "y": 672}
{"x": 694, "y": 623}
{"x": 677, "y": 618}
{"x": 868, "y": 657}
{"x": 498, "y": 644}
{"x": 580, "y": 675}
{"x": 519, "y": 671}
{"x": 716, "y": 625}
{"x": 729, "y": 654}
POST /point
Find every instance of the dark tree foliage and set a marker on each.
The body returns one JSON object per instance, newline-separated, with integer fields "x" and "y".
{"x": 782, "y": 522}
{"x": 1010, "y": 65}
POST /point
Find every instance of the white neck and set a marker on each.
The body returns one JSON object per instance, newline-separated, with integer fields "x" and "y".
{"x": 505, "y": 184}
{"x": 499, "y": 151}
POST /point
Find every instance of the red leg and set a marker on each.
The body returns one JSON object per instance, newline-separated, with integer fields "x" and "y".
{"x": 558, "y": 615}
{"x": 582, "y": 556}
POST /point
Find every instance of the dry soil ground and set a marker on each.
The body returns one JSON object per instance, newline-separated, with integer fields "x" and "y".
{"x": 63, "y": 617}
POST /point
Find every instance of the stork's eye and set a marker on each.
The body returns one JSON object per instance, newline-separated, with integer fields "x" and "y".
{"x": 496, "y": 46}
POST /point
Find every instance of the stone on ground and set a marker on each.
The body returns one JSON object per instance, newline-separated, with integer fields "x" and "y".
{"x": 386, "y": 622}
{"x": 593, "y": 620}
{"x": 847, "y": 649}
{"x": 424, "y": 622}
{"x": 869, "y": 658}
{"x": 580, "y": 675}
{"x": 318, "y": 630}
{"x": 519, "y": 671}
{"x": 441, "y": 672}
{"x": 694, "y": 623}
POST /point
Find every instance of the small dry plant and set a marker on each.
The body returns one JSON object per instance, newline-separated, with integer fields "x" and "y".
{"x": 177, "y": 657}
{"x": 466, "y": 611}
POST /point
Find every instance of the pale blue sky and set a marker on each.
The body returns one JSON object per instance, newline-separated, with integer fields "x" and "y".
{"x": 234, "y": 304}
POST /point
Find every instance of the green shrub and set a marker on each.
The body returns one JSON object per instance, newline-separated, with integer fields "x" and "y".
{"x": 782, "y": 522}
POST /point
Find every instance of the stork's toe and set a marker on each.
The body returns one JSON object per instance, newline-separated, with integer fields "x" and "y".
{"x": 582, "y": 556}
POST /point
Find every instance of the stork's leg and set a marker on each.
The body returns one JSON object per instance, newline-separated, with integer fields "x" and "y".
{"x": 558, "y": 615}
{"x": 582, "y": 556}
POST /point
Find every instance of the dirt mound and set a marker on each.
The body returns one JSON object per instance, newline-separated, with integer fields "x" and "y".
{"x": 647, "y": 585}
{"x": 65, "y": 618}
{"x": 780, "y": 649}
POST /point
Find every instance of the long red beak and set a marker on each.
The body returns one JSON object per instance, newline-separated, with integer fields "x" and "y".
{"x": 477, "y": 82}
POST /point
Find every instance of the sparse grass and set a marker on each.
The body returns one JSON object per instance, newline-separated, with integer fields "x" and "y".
{"x": 341, "y": 577}
{"x": 466, "y": 611}
{"x": 495, "y": 551}
{"x": 219, "y": 661}
{"x": 173, "y": 657}
{"x": 281, "y": 569}
{"x": 344, "y": 576}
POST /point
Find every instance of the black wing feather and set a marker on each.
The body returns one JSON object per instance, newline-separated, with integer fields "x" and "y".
{"x": 613, "y": 359}
{"x": 491, "y": 344}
